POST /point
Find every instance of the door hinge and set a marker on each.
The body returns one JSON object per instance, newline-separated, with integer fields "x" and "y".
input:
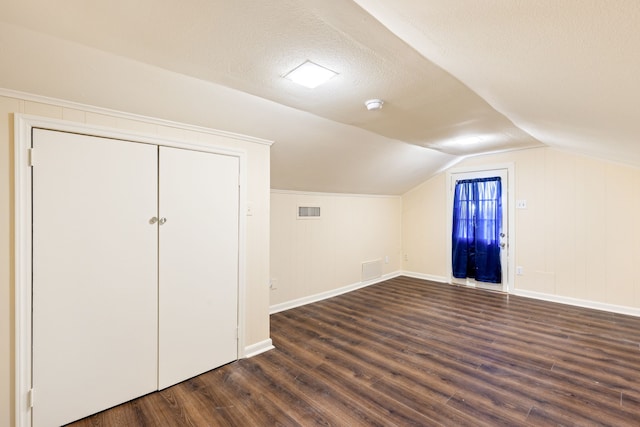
{"x": 237, "y": 333}
{"x": 31, "y": 154}
{"x": 30, "y": 398}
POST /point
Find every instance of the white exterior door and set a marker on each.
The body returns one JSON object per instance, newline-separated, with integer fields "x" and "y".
{"x": 504, "y": 251}
{"x": 198, "y": 253}
{"x": 94, "y": 274}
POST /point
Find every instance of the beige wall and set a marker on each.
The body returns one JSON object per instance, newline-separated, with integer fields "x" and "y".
{"x": 257, "y": 293}
{"x": 313, "y": 256}
{"x": 577, "y": 238}
{"x": 6, "y": 261}
{"x": 424, "y": 227}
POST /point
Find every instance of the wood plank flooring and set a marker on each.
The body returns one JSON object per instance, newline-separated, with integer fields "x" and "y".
{"x": 408, "y": 352}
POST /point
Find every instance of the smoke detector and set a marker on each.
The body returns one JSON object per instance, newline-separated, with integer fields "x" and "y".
{"x": 374, "y": 104}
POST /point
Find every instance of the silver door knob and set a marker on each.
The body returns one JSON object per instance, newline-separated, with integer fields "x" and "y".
{"x": 163, "y": 220}
{"x": 502, "y": 245}
{"x": 153, "y": 220}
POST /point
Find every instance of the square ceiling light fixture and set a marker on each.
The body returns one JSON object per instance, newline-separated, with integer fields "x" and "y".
{"x": 309, "y": 74}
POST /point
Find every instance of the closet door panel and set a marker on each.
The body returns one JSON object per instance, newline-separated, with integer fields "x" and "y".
{"x": 198, "y": 283}
{"x": 94, "y": 274}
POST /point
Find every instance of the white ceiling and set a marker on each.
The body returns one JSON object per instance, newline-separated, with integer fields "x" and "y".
{"x": 503, "y": 74}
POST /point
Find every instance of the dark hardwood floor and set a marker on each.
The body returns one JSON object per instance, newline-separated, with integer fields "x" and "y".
{"x": 408, "y": 352}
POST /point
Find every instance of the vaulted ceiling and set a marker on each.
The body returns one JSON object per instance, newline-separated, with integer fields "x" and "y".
{"x": 458, "y": 77}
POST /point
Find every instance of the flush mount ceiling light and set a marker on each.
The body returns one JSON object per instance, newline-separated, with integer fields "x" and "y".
{"x": 374, "y": 104}
{"x": 309, "y": 74}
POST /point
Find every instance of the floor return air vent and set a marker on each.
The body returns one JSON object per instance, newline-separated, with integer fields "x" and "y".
{"x": 371, "y": 270}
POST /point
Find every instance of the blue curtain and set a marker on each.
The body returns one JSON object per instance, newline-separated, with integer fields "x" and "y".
{"x": 477, "y": 216}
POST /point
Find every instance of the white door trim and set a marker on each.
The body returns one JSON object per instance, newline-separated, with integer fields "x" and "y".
{"x": 23, "y": 126}
{"x": 508, "y": 280}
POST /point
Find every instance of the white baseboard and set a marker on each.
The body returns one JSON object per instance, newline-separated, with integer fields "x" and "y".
{"x": 257, "y": 348}
{"x": 631, "y": 311}
{"x": 439, "y": 279}
{"x": 328, "y": 294}
{"x": 578, "y": 302}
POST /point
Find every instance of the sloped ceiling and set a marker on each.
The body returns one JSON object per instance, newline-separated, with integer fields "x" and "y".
{"x": 566, "y": 72}
{"x": 458, "y": 77}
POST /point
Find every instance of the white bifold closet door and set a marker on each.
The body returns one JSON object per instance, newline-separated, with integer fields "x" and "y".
{"x": 198, "y": 290}
{"x": 94, "y": 275}
{"x": 135, "y": 270}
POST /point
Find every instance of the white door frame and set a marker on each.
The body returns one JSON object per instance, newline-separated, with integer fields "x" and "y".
{"x": 508, "y": 278}
{"x": 23, "y": 126}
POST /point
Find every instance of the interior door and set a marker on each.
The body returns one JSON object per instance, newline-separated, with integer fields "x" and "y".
{"x": 198, "y": 287}
{"x": 94, "y": 274}
{"x": 504, "y": 251}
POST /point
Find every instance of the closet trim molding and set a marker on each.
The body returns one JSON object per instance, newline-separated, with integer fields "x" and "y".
{"x": 23, "y": 158}
{"x": 88, "y": 108}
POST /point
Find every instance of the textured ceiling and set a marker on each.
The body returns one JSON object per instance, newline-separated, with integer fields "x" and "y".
{"x": 566, "y": 72}
{"x": 518, "y": 74}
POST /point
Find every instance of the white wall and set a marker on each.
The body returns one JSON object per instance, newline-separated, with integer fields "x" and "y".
{"x": 424, "y": 227}
{"x": 6, "y": 262}
{"x": 577, "y": 241}
{"x": 257, "y": 295}
{"x": 315, "y": 256}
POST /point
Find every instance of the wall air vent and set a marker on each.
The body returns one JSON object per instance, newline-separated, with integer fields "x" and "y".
{"x": 371, "y": 270}
{"x": 308, "y": 212}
